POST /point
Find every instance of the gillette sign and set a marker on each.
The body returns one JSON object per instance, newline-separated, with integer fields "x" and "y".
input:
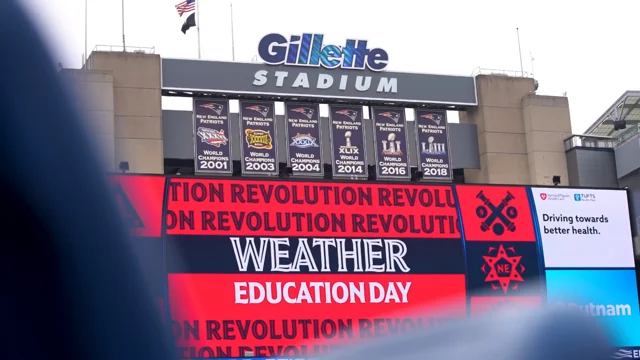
{"x": 309, "y": 50}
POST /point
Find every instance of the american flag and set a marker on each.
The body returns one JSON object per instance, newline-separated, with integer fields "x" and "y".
{"x": 186, "y": 6}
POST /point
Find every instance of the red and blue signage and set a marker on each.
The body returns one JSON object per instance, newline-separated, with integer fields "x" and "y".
{"x": 297, "y": 269}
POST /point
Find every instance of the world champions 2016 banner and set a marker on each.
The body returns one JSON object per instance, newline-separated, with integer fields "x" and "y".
{"x": 299, "y": 269}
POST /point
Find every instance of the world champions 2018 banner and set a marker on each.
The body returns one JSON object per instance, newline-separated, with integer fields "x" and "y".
{"x": 288, "y": 269}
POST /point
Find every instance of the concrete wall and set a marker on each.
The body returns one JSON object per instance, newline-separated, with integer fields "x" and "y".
{"x": 178, "y": 139}
{"x": 592, "y": 167}
{"x": 93, "y": 92}
{"x": 520, "y": 134}
{"x": 137, "y": 108}
{"x": 627, "y": 157}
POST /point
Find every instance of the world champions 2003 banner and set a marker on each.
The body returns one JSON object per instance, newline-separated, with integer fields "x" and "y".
{"x": 299, "y": 269}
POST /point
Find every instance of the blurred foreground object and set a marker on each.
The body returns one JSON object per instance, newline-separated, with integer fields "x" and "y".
{"x": 549, "y": 334}
{"x": 70, "y": 286}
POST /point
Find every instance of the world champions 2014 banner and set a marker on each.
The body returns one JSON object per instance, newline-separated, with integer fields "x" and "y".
{"x": 298, "y": 269}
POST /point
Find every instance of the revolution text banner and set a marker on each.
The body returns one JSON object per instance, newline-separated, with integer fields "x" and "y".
{"x": 236, "y": 252}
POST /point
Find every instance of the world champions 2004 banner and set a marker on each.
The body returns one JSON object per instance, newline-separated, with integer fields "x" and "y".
{"x": 304, "y": 150}
{"x": 299, "y": 269}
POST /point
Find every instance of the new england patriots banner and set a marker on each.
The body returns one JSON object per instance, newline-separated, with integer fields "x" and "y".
{"x": 432, "y": 138}
{"x": 304, "y": 143}
{"x": 349, "y": 158}
{"x": 390, "y": 138}
{"x": 211, "y": 142}
{"x": 259, "y": 141}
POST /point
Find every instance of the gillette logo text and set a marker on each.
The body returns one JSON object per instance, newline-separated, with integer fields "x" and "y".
{"x": 309, "y": 50}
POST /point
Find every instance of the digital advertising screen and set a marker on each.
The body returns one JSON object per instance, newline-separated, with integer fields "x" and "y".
{"x": 297, "y": 269}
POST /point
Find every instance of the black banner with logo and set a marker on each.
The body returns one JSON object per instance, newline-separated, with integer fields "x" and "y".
{"x": 349, "y": 158}
{"x": 432, "y": 138}
{"x": 304, "y": 149}
{"x": 390, "y": 136}
{"x": 258, "y": 132}
{"x": 212, "y": 151}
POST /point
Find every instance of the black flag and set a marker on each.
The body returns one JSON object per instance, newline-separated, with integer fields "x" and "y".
{"x": 189, "y": 23}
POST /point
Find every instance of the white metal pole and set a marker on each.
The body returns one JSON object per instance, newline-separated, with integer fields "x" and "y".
{"x": 86, "y": 12}
{"x": 124, "y": 45}
{"x": 233, "y": 40}
{"x": 198, "y": 25}
{"x": 520, "y": 53}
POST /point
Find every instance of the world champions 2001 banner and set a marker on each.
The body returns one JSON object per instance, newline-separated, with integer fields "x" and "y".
{"x": 298, "y": 269}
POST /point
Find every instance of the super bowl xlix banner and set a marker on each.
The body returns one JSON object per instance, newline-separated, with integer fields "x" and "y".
{"x": 390, "y": 134}
{"x": 211, "y": 143}
{"x": 304, "y": 149}
{"x": 259, "y": 141}
{"x": 432, "y": 138}
{"x": 349, "y": 158}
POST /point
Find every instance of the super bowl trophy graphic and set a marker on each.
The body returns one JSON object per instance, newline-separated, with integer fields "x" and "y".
{"x": 390, "y": 146}
{"x": 433, "y": 147}
{"x": 347, "y": 139}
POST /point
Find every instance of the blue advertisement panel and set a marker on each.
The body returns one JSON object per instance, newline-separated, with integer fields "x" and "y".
{"x": 304, "y": 149}
{"x": 390, "y": 137}
{"x": 259, "y": 146}
{"x": 609, "y": 295}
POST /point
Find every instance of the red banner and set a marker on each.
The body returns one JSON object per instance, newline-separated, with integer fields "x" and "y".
{"x": 233, "y": 207}
{"x": 263, "y": 313}
{"x": 297, "y": 269}
{"x": 140, "y": 200}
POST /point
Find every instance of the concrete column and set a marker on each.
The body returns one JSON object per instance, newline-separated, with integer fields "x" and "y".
{"x": 520, "y": 134}
{"x": 94, "y": 98}
{"x": 546, "y": 124}
{"x": 137, "y": 108}
{"x": 501, "y": 135}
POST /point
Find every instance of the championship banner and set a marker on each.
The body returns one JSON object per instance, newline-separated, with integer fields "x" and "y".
{"x": 298, "y": 269}
{"x": 348, "y": 151}
{"x": 211, "y": 145}
{"x": 304, "y": 149}
{"x": 390, "y": 134}
{"x": 432, "y": 138}
{"x": 259, "y": 150}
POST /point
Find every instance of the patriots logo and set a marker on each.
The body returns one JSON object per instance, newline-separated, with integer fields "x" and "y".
{"x": 352, "y": 114}
{"x": 435, "y": 117}
{"x": 260, "y": 109}
{"x": 217, "y": 108}
{"x": 391, "y": 115}
{"x": 304, "y": 111}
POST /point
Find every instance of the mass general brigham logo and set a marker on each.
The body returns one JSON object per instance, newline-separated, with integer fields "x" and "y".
{"x": 553, "y": 197}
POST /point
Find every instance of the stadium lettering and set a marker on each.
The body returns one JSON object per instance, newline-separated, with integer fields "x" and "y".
{"x": 309, "y": 50}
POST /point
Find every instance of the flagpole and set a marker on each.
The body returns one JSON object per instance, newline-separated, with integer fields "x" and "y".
{"x": 85, "y": 31}
{"x": 124, "y": 45}
{"x": 233, "y": 42}
{"x": 198, "y": 25}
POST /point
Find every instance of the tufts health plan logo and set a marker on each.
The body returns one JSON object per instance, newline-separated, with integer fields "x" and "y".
{"x": 584, "y": 197}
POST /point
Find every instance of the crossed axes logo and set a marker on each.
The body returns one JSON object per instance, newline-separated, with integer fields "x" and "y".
{"x": 499, "y": 217}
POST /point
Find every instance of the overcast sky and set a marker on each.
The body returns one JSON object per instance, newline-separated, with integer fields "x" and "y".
{"x": 587, "y": 49}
